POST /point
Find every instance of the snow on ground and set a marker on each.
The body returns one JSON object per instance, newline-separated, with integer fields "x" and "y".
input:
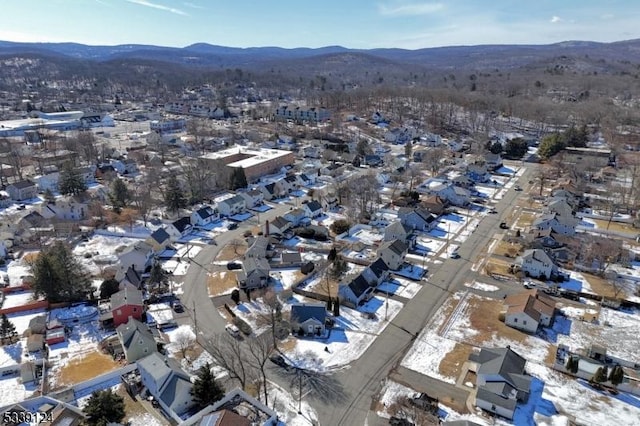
{"x": 13, "y": 391}
{"x": 429, "y": 246}
{"x": 286, "y": 405}
{"x": 576, "y": 282}
{"x": 451, "y": 223}
{"x": 176, "y": 267}
{"x": 16, "y": 269}
{"x": 21, "y": 319}
{"x": 11, "y": 354}
{"x": 482, "y": 286}
{"x": 615, "y": 330}
{"x": 487, "y": 191}
{"x": 17, "y": 298}
{"x": 287, "y": 277}
{"x": 400, "y": 287}
{"x": 390, "y": 392}
{"x": 587, "y": 405}
{"x": 349, "y": 339}
{"x": 145, "y": 419}
{"x": 179, "y": 336}
{"x": 365, "y": 254}
{"x": 101, "y": 250}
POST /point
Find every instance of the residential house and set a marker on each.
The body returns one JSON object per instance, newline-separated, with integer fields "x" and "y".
{"x": 396, "y": 230}
{"x": 312, "y": 151}
{"x": 239, "y": 401}
{"x": 232, "y": 206}
{"x": 67, "y": 207}
{"x": 435, "y": 204}
{"x": 417, "y": 218}
{"x": 306, "y": 179}
{"x": 87, "y": 174}
{"x": 297, "y": 217}
{"x": 463, "y": 181}
{"x": 204, "y": 216}
{"x": 536, "y": 263}
{"x": 132, "y": 278}
{"x": 224, "y": 417}
{"x": 529, "y": 310}
{"x": 477, "y": 172}
{"x": 278, "y": 226}
{"x": 446, "y": 190}
{"x": 137, "y": 256}
{"x": 501, "y": 380}
{"x": 252, "y": 198}
{"x": 560, "y": 207}
{"x": 22, "y": 190}
{"x": 356, "y": 292}
{"x": 565, "y": 225}
{"x": 136, "y": 340}
{"x": 393, "y": 253}
{"x": 292, "y": 182}
{"x": 159, "y": 240}
{"x": 179, "y": 228}
{"x": 372, "y": 160}
{"x": 493, "y": 161}
{"x": 167, "y": 383}
{"x": 312, "y": 208}
{"x": 308, "y": 319}
{"x": 48, "y": 182}
{"x": 254, "y": 273}
{"x": 125, "y": 167}
{"x": 291, "y": 258}
{"x": 268, "y": 191}
{"x": 376, "y": 273}
{"x": 259, "y": 247}
{"x": 125, "y": 304}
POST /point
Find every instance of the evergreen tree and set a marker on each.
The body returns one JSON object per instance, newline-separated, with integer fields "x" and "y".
{"x": 551, "y": 145}
{"x": 338, "y": 267}
{"x": 496, "y": 147}
{"x": 572, "y": 364}
{"x": 329, "y": 305}
{"x": 617, "y": 375}
{"x": 157, "y": 275}
{"x": 119, "y": 195}
{"x": 237, "y": 179}
{"x": 104, "y": 407}
{"x": 49, "y": 198}
{"x": 109, "y": 287}
{"x": 336, "y": 307}
{"x": 59, "y": 276}
{"x": 71, "y": 182}
{"x": 206, "y": 390}
{"x": 174, "y": 196}
{"x": 7, "y": 329}
{"x": 408, "y": 149}
{"x": 515, "y": 148}
{"x": 601, "y": 374}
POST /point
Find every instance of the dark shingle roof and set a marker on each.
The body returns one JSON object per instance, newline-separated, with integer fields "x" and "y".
{"x": 126, "y": 296}
{"x": 23, "y": 184}
{"x": 359, "y": 285}
{"x": 379, "y": 267}
{"x": 300, "y": 312}
{"x": 314, "y": 205}
{"x": 160, "y": 235}
{"x": 182, "y": 224}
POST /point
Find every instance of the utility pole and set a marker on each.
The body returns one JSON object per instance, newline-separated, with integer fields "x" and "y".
{"x": 195, "y": 318}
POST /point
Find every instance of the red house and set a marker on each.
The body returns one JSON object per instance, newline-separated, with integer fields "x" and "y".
{"x": 125, "y": 304}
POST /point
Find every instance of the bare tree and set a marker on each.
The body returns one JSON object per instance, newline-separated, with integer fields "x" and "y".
{"x": 199, "y": 177}
{"x": 433, "y": 160}
{"x": 13, "y": 156}
{"x": 259, "y": 349}
{"x": 404, "y": 408}
{"x": 236, "y": 243}
{"x": 228, "y": 354}
{"x": 184, "y": 340}
{"x": 616, "y": 282}
{"x": 274, "y": 314}
{"x": 199, "y": 128}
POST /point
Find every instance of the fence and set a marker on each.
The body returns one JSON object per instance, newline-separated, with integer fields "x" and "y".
{"x": 41, "y": 304}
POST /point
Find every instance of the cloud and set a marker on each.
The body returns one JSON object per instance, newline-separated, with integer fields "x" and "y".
{"x": 158, "y": 6}
{"x": 192, "y": 5}
{"x": 555, "y": 19}
{"x": 411, "y": 9}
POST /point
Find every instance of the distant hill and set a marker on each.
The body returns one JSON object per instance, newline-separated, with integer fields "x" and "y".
{"x": 483, "y": 57}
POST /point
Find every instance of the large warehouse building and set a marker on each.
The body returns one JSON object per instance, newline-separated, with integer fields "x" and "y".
{"x": 255, "y": 162}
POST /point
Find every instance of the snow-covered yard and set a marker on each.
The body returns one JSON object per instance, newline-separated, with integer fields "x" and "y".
{"x": 101, "y": 251}
{"x": 16, "y": 269}
{"x": 400, "y": 287}
{"x": 17, "y": 298}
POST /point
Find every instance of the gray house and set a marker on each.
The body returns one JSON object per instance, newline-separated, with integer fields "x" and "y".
{"x": 393, "y": 253}
{"x": 167, "y": 383}
{"x": 254, "y": 273}
{"x": 136, "y": 340}
{"x": 308, "y": 319}
{"x": 418, "y": 219}
{"x": 501, "y": 380}
{"x": 22, "y": 190}
{"x": 357, "y": 291}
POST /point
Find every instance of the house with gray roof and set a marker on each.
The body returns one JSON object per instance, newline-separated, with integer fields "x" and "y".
{"x": 252, "y": 198}
{"x": 254, "y": 273}
{"x": 137, "y": 256}
{"x": 537, "y": 263}
{"x": 297, "y": 217}
{"x": 159, "y": 239}
{"x": 393, "y": 253}
{"x": 356, "y": 291}
{"x": 204, "y": 216}
{"x": 307, "y": 319}
{"x": 232, "y": 206}
{"x": 167, "y": 383}
{"x": 22, "y": 190}
{"x": 312, "y": 208}
{"x": 278, "y": 226}
{"x": 501, "y": 380}
{"x": 417, "y": 218}
{"x": 376, "y": 273}
{"x": 136, "y": 340}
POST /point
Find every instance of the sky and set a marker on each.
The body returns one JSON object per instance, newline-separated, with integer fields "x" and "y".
{"x": 359, "y": 24}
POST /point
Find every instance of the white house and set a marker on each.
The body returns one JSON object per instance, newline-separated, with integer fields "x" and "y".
{"x": 137, "y": 256}
{"x": 393, "y": 253}
{"x": 528, "y": 311}
{"x": 232, "y": 206}
{"x": 297, "y": 217}
{"x": 48, "y": 182}
{"x": 312, "y": 208}
{"x": 278, "y": 226}
{"x": 565, "y": 225}
{"x": 252, "y": 198}
{"x": 308, "y": 319}
{"x": 447, "y": 191}
{"x": 179, "y": 228}
{"x": 204, "y": 216}
{"x": 536, "y": 263}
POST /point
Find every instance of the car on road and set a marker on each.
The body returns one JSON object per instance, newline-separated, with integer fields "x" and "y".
{"x": 177, "y": 307}
{"x": 279, "y": 361}
{"x": 454, "y": 255}
{"x": 528, "y": 284}
{"x": 232, "y": 226}
{"x": 503, "y": 225}
{"x": 517, "y": 188}
{"x": 232, "y": 330}
{"x": 493, "y": 211}
{"x": 233, "y": 265}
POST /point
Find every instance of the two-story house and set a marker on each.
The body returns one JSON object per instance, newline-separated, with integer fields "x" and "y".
{"x": 232, "y": 206}
{"x": 136, "y": 340}
{"x": 536, "y": 263}
{"x": 393, "y": 253}
{"x": 204, "y": 216}
{"x": 22, "y": 190}
{"x": 126, "y": 303}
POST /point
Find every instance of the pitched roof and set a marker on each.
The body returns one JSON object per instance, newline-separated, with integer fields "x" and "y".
{"x": 236, "y": 199}
{"x": 132, "y": 331}
{"x": 160, "y": 235}
{"x": 133, "y": 277}
{"x": 300, "y": 312}
{"x": 396, "y": 246}
{"x": 359, "y": 285}
{"x": 495, "y": 399}
{"x": 505, "y": 363}
{"x": 224, "y": 418}
{"x": 314, "y": 205}
{"x": 182, "y": 224}
{"x": 280, "y": 222}
{"x": 291, "y": 257}
{"x": 23, "y": 184}
{"x": 127, "y": 296}
{"x": 205, "y": 212}
{"x": 379, "y": 267}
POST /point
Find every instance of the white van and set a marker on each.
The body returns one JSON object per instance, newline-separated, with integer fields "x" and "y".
{"x": 232, "y": 330}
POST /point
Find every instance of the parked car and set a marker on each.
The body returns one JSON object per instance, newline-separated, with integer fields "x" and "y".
{"x": 454, "y": 255}
{"x": 233, "y": 265}
{"x": 517, "y": 188}
{"x": 232, "y": 226}
{"x": 528, "y": 284}
{"x": 503, "y": 225}
{"x": 493, "y": 211}
{"x": 279, "y": 361}
{"x": 177, "y": 306}
{"x": 232, "y": 330}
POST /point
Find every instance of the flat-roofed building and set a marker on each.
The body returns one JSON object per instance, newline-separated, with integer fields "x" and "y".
{"x": 255, "y": 162}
